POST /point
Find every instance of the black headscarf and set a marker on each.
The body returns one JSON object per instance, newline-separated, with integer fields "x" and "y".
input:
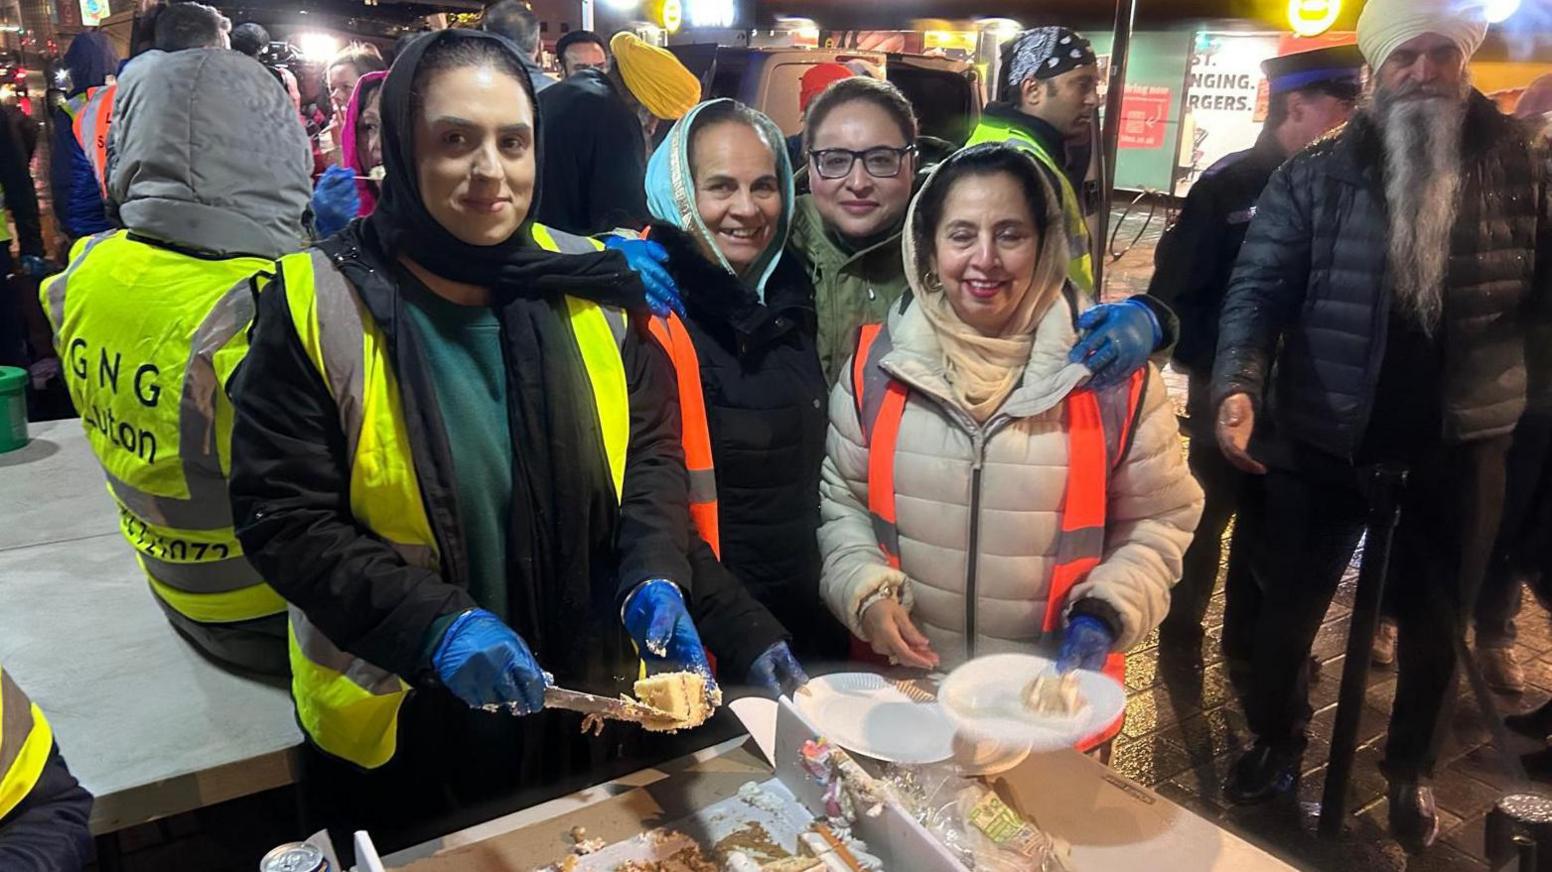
{"x": 516, "y": 267}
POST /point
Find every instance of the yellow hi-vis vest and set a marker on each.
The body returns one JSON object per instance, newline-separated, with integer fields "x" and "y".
{"x": 148, "y": 338}
{"x": 1080, "y": 269}
{"x": 25, "y": 742}
{"x": 348, "y": 706}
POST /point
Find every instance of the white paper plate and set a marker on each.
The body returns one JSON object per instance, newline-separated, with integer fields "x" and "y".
{"x": 997, "y": 681}
{"x": 866, "y": 714}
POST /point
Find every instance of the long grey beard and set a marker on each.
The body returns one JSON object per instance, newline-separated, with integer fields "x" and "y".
{"x": 1422, "y": 140}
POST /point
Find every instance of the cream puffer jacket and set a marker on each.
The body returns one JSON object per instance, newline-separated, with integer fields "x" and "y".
{"x": 1021, "y": 455}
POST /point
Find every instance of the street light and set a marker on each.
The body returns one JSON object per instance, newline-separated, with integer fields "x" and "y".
{"x": 1499, "y": 11}
{"x": 316, "y": 46}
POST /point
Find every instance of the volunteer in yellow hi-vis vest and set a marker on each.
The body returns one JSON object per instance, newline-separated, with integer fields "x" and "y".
{"x": 43, "y": 810}
{"x": 150, "y": 321}
{"x": 459, "y": 461}
{"x": 1047, "y": 94}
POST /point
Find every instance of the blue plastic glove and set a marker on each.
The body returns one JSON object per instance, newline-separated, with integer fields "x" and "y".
{"x": 483, "y": 662}
{"x": 1120, "y": 338}
{"x": 656, "y": 619}
{"x": 36, "y": 267}
{"x": 647, "y": 259}
{"x": 335, "y": 201}
{"x": 1085, "y": 645}
{"x": 777, "y": 672}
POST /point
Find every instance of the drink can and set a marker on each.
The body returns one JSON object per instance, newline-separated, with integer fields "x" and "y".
{"x": 295, "y": 857}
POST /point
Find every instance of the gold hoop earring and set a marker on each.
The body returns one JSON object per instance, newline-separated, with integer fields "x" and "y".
{"x": 932, "y": 282}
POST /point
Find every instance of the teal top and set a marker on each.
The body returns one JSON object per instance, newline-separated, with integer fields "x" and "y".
{"x": 462, "y": 345}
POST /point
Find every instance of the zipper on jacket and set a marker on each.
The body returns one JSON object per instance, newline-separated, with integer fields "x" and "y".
{"x": 972, "y": 556}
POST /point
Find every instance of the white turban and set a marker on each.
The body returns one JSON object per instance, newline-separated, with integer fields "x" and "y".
{"x": 1384, "y": 25}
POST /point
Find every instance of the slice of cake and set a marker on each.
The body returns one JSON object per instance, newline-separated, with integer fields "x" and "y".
{"x": 1053, "y": 695}
{"x": 681, "y": 694}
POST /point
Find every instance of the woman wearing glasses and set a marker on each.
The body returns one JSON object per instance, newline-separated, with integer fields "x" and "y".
{"x": 862, "y": 169}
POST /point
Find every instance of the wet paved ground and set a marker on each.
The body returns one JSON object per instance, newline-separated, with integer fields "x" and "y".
{"x": 1184, "y": 727}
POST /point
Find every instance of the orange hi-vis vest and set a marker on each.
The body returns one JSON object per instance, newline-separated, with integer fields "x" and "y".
{"x": 671, "y": 334}
{"x": 1099, "y": 424}
{"x": 90, "y": 126}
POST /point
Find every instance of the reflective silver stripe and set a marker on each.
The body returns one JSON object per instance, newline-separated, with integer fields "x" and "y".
{"x": 342, "y": 338}
{"x": 208, "y": 505}
{"x": 875, "y": 382}
{"x": 215, "y": 576}
{"x": 1078, "y": 544}
{"x": 317, "y": 648}
{"x": 703, "y": 485}
{"x": 886, "y": 534}
{"x": 15, "y": 722}
{"x": 570, "y": 243}
{"x": 615, "y": 318}
{"x": 56, "y": 287}
{"x": 1115, "y": 414}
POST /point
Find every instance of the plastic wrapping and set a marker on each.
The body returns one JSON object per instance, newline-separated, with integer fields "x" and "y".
{"x": 968, "y": 817}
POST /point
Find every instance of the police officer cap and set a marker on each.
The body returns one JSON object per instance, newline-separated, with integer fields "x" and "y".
{"x": 1335, "y": 70}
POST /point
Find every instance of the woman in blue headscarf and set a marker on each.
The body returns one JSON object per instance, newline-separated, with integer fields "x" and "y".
{"x": 721, "y": 194}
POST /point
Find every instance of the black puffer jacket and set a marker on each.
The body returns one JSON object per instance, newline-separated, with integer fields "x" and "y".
{"x": 766, "y": 411}
{"x": 1312, "y": 274}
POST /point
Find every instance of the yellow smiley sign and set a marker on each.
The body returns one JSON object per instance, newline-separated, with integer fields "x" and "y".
{"x": 1312, "y": 17}
{"x": 669, "y": 14}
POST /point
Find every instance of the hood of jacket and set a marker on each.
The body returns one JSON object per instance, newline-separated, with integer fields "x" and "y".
{"x": 671, "y": 194}
{"x": 1041, "y": 330}
{"x": 210, "y": 155}
{"x": 352, "y": 151}
{"x": 90, "y": 60}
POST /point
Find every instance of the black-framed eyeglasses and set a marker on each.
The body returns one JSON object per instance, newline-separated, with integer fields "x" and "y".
{"x": 881, "y": 163}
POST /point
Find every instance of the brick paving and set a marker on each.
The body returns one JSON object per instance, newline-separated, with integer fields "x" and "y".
{"x": 1184, "y": 727}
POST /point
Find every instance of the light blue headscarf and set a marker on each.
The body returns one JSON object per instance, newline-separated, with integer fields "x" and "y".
{"x": 671, "y": 193}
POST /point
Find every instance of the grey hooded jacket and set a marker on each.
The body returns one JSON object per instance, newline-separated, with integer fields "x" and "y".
{"x": 210, "y": 155}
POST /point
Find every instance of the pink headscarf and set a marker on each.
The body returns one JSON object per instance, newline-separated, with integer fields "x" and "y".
{"x": 349, "y": 154}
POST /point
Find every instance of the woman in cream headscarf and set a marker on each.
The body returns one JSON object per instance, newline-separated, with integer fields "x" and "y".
{"x": 983, "y": 508}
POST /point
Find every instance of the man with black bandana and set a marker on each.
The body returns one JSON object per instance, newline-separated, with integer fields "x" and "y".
{"x": 1046, "y": 97}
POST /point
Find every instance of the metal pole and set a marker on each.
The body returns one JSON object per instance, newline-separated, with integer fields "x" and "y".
{"x": 587, "y": 14}
{"x": 1384, "y": 489}
{"x": 1115, "y": 91}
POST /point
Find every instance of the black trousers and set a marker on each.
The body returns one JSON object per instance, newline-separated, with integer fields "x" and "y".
{"x": 1313, "y": 518}
{"x": 1229, "y": 493}
{"x": 1522, "y": 549}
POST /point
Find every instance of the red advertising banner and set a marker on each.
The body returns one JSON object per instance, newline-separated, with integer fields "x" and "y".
{"x": 1144, "y": 113}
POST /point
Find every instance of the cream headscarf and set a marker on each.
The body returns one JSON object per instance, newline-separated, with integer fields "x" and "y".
{"x": 983, "y": 369}
{"x": 1384, "y": 25}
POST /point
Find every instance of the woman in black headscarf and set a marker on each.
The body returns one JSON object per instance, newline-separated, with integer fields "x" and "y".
{"x": 457, "y": 460}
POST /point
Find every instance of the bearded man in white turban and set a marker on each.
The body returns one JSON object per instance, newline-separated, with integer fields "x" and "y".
{"x": 1397, "y": 273}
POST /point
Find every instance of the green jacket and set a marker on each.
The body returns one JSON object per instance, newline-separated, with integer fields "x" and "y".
{"x": 850, "y": 289}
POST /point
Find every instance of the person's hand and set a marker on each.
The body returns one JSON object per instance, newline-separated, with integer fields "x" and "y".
{"x": 1085, "y": 645}
{"x": 483, "y": 662}
{"x": 647, "y": 259}
{"x": 335, "y": 201}
{"x": 1236, "y": 421}
{"x": 665, "y": 637}
{"x": 1119, "y": 339}
{"x": 35, "y": 267}
{"x": 890, "y": 632}
{"x": 777, "y": 672}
